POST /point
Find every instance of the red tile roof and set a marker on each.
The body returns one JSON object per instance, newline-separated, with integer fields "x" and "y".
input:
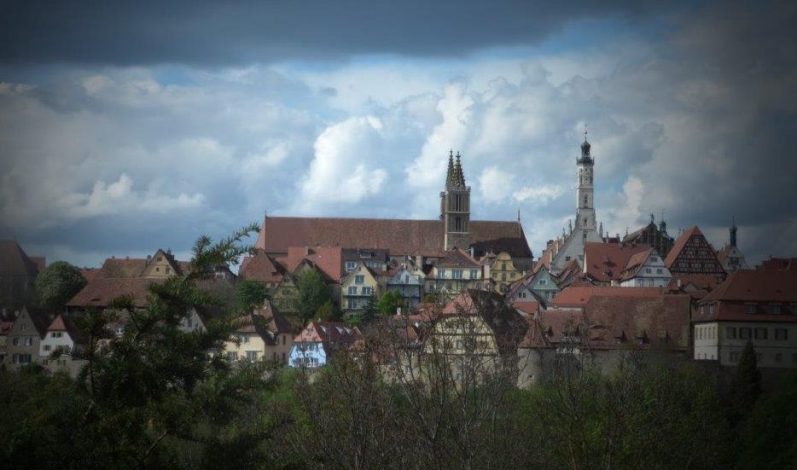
{"x": 605, "y": 262}
{"x": 616, "y": 321}
{"x": 527, "y": 307}
{"x": 757, "y": 286}
{"x": 578, "y": 296}
{"x": 326, "y": 258}
{"x": 457, "y": 258}
{"x": 401, "y": 237}
{"x": 101, "y": 291}
{"x": 778, "y": 264}
{"x": 261, "y": 267}
{"x": 635, "y": 263}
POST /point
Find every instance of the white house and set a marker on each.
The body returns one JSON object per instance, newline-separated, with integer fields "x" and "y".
{"x": 645, "y": 269}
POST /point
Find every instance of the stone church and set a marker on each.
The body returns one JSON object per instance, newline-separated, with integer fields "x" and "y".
{"x": 423, "y": 240}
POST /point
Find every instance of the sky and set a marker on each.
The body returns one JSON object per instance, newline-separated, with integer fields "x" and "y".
{"x": 131, "y": 126}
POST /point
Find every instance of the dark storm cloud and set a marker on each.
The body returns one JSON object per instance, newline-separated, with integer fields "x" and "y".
{"x": 206, "y": 32}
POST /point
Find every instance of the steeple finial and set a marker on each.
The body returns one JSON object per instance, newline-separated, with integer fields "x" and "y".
{"x": 450, "y": 173}
{"x": 459, "y": 175}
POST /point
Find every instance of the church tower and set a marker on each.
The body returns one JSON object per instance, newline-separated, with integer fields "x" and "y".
{"x": 455, "y": 207}
{"x": 585, "y": 228}
{"x": 585, "y": 209}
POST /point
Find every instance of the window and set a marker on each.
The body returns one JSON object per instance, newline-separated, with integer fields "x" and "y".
{"x": 28, "y": 341}
{"x": 474, "y": 273}
{"x": 157, "y": 269}
{"x": 734, "y": 356}
{"x": 57, "y": 334}
{"x": 781, "y": 334}
{"x": 774, "y": 309}
{"x": 283, "y": 340}
{"x": 456, "y": 273}
{"x": 658, "y": 271}
{"x": 359, "y": 279}
{"x": 730, "y": 332}
{"x": 648, "y": 270}
{"x": 350, "y": 265}
{"x": 712, "y": 308}
{"x": 751, "y": 308}
{"x": 699, "y": 333}
{"x": 15, "y": 341}
{"x": 368, "y": 290}
{"x": 778, "y": 357}
{"x": 760, "y": 333}
{"x": 744, "y": 333}
{"x": 352, "y": 290}
{"x": 542, "y": 282}
{"x": 168, "y": 270}
{"x": 244, "y": 339}
{"x": 47, "y": 347}
{"x": 232, "y": 356}
{"x": 251, "y": 356}
{"x": 503, "y": 276}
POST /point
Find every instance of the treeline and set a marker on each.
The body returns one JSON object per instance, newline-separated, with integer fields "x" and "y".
{"x": 154, "y": 398}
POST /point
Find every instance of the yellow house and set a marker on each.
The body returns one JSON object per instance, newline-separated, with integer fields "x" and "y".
{"x": 502, "y": 272}
{"x": 263, "y": 335}
{"x": 358, "y": 287}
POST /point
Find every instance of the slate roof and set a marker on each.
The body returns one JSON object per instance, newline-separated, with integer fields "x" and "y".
{"x": 400, "y": 237}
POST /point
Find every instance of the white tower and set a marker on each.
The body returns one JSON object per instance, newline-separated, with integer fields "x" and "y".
{"x": 585, "y": 209}
{"x": 585, "y": 229}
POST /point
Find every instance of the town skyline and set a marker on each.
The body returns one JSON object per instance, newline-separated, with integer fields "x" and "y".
{"x": 114, "y": 149}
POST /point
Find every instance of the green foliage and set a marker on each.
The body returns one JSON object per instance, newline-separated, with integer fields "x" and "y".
{"x": 390, "y": 302}
{"x": 746, "y": 386}
{"x": 768, "y": 439}
{"x": 313, "y": 294}
{"x": 251, "y": 294}
{"x": 57, "y": 284}
{"x": 328, "y": 312}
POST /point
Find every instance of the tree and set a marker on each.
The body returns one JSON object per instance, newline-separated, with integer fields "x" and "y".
{"x": 746, "y": 386}
{"x": 251, "y": 294}
{"x": 313, "y": 294}
{"x": 57, "y": 284}
{"x": 390, "y": 302}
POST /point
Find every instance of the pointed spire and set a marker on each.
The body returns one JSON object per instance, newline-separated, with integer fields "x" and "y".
{"x": 585, "y": 147}
{"x": 450, "y": 173}
{"x": 600, "y": 229}
{"x": 733, "y": 231}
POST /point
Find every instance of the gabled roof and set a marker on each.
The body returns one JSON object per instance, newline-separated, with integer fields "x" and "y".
{"x": 756, "y": 286}
{"x": 504, "y": 320}
{"x": 66, "y": 324}
{"x": 101, "y": 291}
{"x": 778, "y": 264}
{"x": 400, "y": 237}
{"x": 333, "y": 335}
{"x": 261, "y": 267}
{"x": 680, "y": 244}
{"x": 328, "y": 260}
{"x": 605, "y": 262}
{"x": 615, "y": 321}
{"x": 635, "y": 263}
{"x": 457, "y": 258}
{"x": 135, "y": 267}
{"x": 14, "y": 261}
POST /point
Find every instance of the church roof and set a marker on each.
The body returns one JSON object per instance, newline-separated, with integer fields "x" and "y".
{"x": 399, "y": 236}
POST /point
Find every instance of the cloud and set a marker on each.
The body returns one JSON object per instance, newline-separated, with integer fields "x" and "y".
{"x": 537, "y": 195}
{"x": 342, "y": 170}
{"x": 495, "y": 185}
{"x": 119, "y": 196}
{"x": 242, "y": 32}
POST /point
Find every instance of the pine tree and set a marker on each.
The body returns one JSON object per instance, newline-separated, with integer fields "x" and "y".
{"x": 746, "y": 384}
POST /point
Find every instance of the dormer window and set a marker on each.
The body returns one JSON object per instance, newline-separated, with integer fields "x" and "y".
{"x": 751, "y": 308}
{"x": 774, "y": 309}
